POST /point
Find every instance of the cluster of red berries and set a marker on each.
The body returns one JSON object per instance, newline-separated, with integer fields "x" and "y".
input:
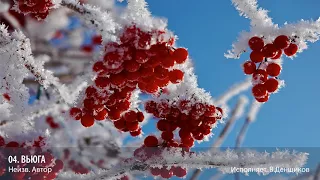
{"x": 77, "y": 167}
{"x": 95, "y": 41}
{"x": 134, "y": 63}
{"x": 262, "y": 85}
{"x": 50, "y": 121}
{"x": 195, "y": 121}
{"x": 144, "y": 153}
{"x": 37, "y": 9}
{"x": 14, "y": 149}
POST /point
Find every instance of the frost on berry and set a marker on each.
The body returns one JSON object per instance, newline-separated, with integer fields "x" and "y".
{"x": 37, "y": 9}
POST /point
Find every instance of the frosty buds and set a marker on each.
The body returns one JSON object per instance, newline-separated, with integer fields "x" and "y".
{"x": 263, "y": 85}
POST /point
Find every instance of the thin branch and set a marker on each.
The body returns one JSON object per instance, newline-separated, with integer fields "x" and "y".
{"x": 224, "y": 161}
{"x": 234, "y": 116}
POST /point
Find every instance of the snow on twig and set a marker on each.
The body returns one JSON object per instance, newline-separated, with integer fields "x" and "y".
{"x": 262, "y": 25}
{"x": 224, "y": 161}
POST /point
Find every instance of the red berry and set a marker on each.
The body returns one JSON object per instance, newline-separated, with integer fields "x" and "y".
{"x": 167, "y": 61}
{"x": 6, "y": 96}
{"x": 179, "y": 171}
{"x": 120, "y": 124}
{"x": 140, "y": 116}
{"x": 263, "y": 99}
{"x": 269, "y": 50}
{"x": 160, "y": 72}
{"x": 99, "y": 66}
{"x": 141, "y": 56}
{"x": 87, "y": 120}
{"x": 89, "y": 103}
{"x": 12, "y": 144}
{"x": 150, "y": 106}
{"x": 130, "y": 116}
{"x": 176, "y": 76}
{"x": 278, "y": 55}
{"x": 91, "y": 91}
{"x": 291, "y": 50}
{"x": 184, "y": 134}
{"x": 133, "y": 76}
{"x": 163, "y": 125}
{"x": 167, "y": 135}
{"x": 165, "y": 173}
{"x": 273, "y": 69}
{"x": 97, "y": 40}
{"x": 131, "y": 66}
{"x": 155, "y": 171}
{"x": 185, "y": 105}
{"x": 87, "y": 48}
{"x": 162, "y": 82}
{"x": 151, "y": 88}
{"x": 187, "y": 142}
{"x": 145, "y": 72}
{"x": 259, "y": 90}
{"x": 2, "y": 142}
{"x": 117, "y": 79}
{"x": 260, "y": 76}
{"x": 209, "y": 110}
{"x": 180, "y": 55}
{"x": 271, "y": 85}
{"x": 136, "y": 133}
{"x": 249, "y": 67}
{"x": 256, "y": 43}
{"x": 102, "y": 115}
{"x": 132, "y": 126}
{"x": 256, "y": 56}
{"x": 114, "y": 114}
{"x": 281, "y": 42}
{"x": 198, "y": 135}
{"x": 58, "y": 165}
{"x": 102, "y": 82}
{"x": 76, "y": 113}
{"x": 151, "y": 141}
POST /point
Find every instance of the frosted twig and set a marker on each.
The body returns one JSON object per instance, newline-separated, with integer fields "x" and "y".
{"x": 235, "y": 114}
{"x": 224, "y": 161}
{"x": 251, "y": 116}
{"x": 233, "y": 91}
{"x": 103, "y": 22}
{"x": 261, "y": 25}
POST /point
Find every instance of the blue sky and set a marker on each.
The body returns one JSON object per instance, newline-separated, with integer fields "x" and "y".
{"x": 208, "y": 28}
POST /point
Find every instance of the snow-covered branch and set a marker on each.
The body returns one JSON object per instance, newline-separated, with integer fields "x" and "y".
{"x": 249, "y": 9}
{"x": 262, "y": 25}
{"x": 226, "y": 162}
{"x": 99, "y": 20}
{"x": 233, "y": 91}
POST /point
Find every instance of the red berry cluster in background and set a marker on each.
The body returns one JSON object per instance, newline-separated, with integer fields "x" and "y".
{"x": 266, "y": 55}
{"x": 194, "y": 121}
{"x": 141, "y": 60}
{"x": 77, "y": 167}
{"x": 37, "y": 9}
{"x": 50, "y": 121}
{"x": 20, "y": 18}
{"x": 6, "y": 96}
{"x": 95, "y": 41}
{"x": 16, "y": 149}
